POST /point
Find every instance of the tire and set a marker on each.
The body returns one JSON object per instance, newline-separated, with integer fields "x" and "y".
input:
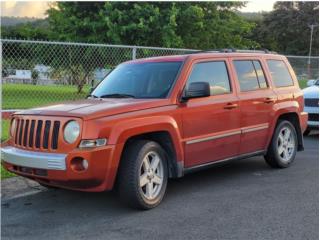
{"x": 306, "y": 132}
{"x": 283, "y": 147}
{"x": 136, "y": 170}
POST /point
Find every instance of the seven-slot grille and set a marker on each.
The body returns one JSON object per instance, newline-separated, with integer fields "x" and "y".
{"x": 311, "y": 102}
{"x": 37, "y": 133}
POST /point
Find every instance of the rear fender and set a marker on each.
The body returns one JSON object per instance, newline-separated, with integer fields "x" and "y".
{"x": 281, "y": 109}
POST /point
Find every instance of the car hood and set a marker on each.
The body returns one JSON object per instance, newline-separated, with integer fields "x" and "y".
{"x": 311, "y": 92}
{"x": 95, "y": 108}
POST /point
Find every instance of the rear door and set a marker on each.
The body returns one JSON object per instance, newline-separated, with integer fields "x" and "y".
{"x": 256, "y": 100}
{"x": 211, "y": 125}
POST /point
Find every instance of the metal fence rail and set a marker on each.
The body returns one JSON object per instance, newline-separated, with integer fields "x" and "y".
{"x": 35, "y": 73}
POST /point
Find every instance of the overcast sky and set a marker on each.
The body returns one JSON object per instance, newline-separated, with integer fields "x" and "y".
{"x": 37, "y": 9}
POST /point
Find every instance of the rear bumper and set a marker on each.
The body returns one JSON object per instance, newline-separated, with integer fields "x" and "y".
{"x": 56, "y": 169}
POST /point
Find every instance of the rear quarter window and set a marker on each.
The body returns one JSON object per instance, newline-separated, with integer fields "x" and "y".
{"x": 279, "y": 73}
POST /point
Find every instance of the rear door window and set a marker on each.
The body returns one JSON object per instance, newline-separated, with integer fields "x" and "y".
{"x": 279, "y": 73}
{"x": 250, "y": 75}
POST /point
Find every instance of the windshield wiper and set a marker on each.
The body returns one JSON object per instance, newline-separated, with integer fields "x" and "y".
{"x": 92, "y": 96}
{"x": 117, "y": 95}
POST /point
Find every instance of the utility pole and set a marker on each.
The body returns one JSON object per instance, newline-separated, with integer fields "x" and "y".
{"x": 310, "y": 49}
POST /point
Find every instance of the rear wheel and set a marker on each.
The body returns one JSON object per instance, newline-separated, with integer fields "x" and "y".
{"x": 283, "y": 147}
{"x": 143, "y": 175}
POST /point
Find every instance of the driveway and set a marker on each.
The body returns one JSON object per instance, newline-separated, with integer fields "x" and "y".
{"x": 241, "y": 200}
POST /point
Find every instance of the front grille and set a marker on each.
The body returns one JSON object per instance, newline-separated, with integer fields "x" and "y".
{"x": 311, "y": 102}
{"x": 313, "y": 117}
{"x": 39, "y": 134}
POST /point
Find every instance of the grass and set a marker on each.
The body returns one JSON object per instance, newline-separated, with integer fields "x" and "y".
{"x": 4, "y": 136}
{"x": 22, "y": 96}
{"x": 4, "y": 130}
{"x": 5, "y": 174}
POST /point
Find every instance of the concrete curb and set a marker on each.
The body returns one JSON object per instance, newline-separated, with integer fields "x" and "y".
{"x": 15, "y": 187}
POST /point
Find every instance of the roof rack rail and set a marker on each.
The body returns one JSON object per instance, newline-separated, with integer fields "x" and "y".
{"x": 233, "y": 50}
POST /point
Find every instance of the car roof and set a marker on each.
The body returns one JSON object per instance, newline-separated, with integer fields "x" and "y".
{"x": 196, "y": 55}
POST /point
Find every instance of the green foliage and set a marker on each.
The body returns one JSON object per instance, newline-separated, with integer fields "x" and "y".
{"x": 38, "y": 29}
{"x": 197, "y": 25}
{"x": 286, "y": 28}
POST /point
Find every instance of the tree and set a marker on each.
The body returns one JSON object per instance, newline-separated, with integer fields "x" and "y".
{"x": 286, "y": 28}
{"x": 38, "y": 29}
{"x": 163, "y": 24}
{"x": 34, "y": 76}
{"x": 196, "y": 25}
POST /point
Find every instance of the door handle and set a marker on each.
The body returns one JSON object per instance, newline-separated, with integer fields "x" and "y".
{"x": 230, "y": 106}
{"x": 269, "y": 100}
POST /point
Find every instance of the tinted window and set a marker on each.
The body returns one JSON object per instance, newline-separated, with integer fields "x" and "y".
{"x": 261, "y": 78}
{"x": 141, "y": 80}
{"x": 215, "y": 73}
{"x": 250, "y": 75}
{"x": 280, "y": 74}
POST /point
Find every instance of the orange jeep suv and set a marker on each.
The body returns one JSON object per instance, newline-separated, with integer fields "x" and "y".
{"x": 158, "y": 118}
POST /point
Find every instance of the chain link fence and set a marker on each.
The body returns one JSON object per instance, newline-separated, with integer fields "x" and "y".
{"x": 36, "y": 73}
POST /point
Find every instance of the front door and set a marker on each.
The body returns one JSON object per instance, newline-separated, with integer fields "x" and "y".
{"x": 211, "y": 125}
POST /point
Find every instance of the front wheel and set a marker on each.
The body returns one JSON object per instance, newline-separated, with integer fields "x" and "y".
{"x": 143, "y": 174}
{"x": 283, "y": 147}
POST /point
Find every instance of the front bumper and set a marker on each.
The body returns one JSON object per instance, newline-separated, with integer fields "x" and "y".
{"x": 48, "y": 161}
{"x": 55, "y": 169}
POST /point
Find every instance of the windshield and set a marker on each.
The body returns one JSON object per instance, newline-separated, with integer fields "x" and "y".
{"x": 139, "y": 80}
{"x": 317, "y": 83}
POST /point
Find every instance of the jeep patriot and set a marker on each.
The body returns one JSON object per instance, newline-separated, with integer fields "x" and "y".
{"x": 158, "y": 118}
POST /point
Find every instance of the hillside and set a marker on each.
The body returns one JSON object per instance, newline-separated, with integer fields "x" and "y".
{"x": 11, "y": 21}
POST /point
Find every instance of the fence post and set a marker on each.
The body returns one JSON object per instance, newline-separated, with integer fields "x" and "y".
{"x": 134, "y": 53}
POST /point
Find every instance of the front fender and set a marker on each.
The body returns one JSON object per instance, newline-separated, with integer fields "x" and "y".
{"x": 123, "y": 130}
{"x": 126, "y": 129}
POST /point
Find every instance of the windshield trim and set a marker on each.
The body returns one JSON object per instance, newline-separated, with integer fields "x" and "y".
{"x": 176, "y": 78}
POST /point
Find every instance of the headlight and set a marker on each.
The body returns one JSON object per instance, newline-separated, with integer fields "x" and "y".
{"x": 13, "y": 126}
{"x": 71, "y": 131}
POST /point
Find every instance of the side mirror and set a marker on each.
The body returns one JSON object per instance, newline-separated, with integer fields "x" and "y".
{"x": 197, "y": 90}
{"x": 311, "y": 83}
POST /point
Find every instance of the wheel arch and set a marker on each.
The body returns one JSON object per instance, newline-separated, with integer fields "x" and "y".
{"x": 162, "y": 129}
{"x": 165, "y": 140}
{"x": 293, "y": 117}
